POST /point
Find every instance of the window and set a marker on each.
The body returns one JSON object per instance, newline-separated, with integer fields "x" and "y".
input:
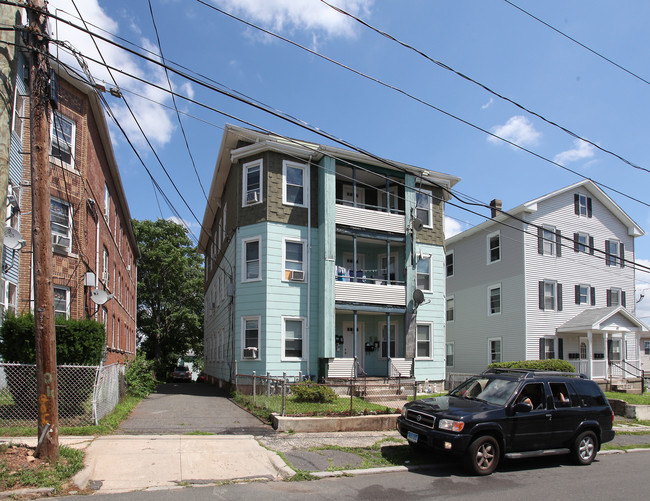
{"x": 295, "y": 182}
{"x": 614, "y": 253}
{"x": 450, "y": 309}
{"x": 494, "y": 247}
{"x": 19, "y": 114}
{"x": 105, "y": 273}
{"x": 61, "y": 301}
{"x": 582, "y": 205}
{"x": 494, "y": 299}
{"x": 423, "y": 341}
{"x": 384, "y": 340}
{"x": 424, "y": 274}
{"x": 12, "y": 217}
{"x": 550, "y": 295}
{"x": 294, "y": 260}
{"x": 646, "y": 347}
{"x": 549, "y": 241}
{"x": 585, "y": 294}
{"x": 251, "y": 337}
{"x": 546, "y": 348}
{"x": 423, "y": 207}
{"x": 107, "y": 204}
{"x": 494, "y": 350}
{"x": 615, "y": 297}
{"x": 293, "y": 335}
{"x": 449, "y": 261}
{"x": 252, "y": 183}
{"x": 62, "y": 139}
{"x": 8, "y": 297}
{"x": 449, "y": 354}
{"x": 582, "y": 242}
{"x": 251, "y": 260}
{"x": 388, "y": 272}
{"x": 61, "y": 216}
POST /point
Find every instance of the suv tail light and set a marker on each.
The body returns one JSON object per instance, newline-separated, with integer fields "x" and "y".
{"x": 612, "y": 418}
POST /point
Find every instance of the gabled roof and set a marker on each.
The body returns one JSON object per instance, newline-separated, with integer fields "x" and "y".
{"x": 593, "y": 319}
{"x": 229, "y": 153}
{"x": 634, "y": 230}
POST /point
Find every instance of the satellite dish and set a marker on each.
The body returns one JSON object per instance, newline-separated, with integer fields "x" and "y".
{"x": 99, "y": 296}
{"x": 416, "y": 224}
{"x": 418, "y": 297}
{"x": 13, "y": 238}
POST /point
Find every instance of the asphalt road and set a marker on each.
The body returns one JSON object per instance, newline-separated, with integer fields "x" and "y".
{"x": 179, "y": 408}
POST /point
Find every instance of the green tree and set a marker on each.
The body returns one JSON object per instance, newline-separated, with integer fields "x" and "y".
{"x": 170, "y": 294}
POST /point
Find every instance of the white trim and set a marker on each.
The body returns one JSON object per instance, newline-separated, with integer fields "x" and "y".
{"x": 453, "y": 353}
{"x": 305, "y": 182}
{"x": 68, "y": 235}
{"x": 430, "y": 326}
{"x": 66, "y": 290}
{"x": 245, "y": 241}
{"x": 429, "y": 222}
{"x": 450, "y": 297}
{"x": 489, "y": 349}
{"x": 489, "y": 297}
{"x": 20, "y": 114}
{"x": 244, "y": 183}
{"x": 453, "y": 263}
{"x": 244, "y": 319}
{"x": 489, "y": 249}
{"x": 285, "y": 270}
{"x": 73, "y": 140}
{"x": 430, "y": 274}
{"x": 305, "y": 344}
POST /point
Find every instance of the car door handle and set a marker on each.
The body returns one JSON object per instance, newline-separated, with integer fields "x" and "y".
{"x": 549, "y": 416}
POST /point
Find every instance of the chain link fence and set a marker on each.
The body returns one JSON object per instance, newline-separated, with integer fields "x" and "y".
{"x": 85, "y": 393}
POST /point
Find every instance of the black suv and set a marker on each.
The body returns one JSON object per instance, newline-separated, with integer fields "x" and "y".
{"x": 513, "y": 414}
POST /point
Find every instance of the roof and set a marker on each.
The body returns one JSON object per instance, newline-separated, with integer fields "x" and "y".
{"x": 263, "y": 141}
{"x": 634, "y": 229}
{"x": 592, "y": 319}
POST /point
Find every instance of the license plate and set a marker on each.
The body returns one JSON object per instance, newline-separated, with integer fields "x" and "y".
{"x": 412, "y": 437}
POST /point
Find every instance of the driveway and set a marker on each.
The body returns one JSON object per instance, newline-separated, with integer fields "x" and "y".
{"x": 180, "y": 408}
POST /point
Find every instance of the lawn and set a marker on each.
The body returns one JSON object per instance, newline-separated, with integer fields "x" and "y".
{"x": 630, "y": 398}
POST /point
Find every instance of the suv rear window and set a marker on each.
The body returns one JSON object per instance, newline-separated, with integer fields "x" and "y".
{"x": 589, "y": 393}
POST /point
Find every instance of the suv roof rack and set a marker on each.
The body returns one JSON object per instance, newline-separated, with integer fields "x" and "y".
{"x": 531, "y": 373}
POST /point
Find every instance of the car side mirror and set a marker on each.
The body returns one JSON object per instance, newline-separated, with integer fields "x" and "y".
{"x": 522, "y": 407}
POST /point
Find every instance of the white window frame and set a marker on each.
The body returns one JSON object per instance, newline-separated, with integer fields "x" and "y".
{"x": 382, "y": 341}
{"x": 287, "y": 271}
{"x": 429, "y": 274}
{"x": 305, "y": 181}
{"x": 549, "y": 244}
{"x": 489, "y": 349}
{"x": 72, "y": 143}
{"x": 549, "y": 341}
{"x": 245, "y": 319}
{"x": 303, "y": 338}
{"x": 68, "y": 233}
{"x": 615, "y": 293}
{"x": 613, "y": 258}
{"x": 429, "y": 210}
{"x": 18, "y": 118}
{"x": 587, "y": 294}
{"x": 488, "y": 241}
{"x": 107, "y": 204}
{"x": 453, "y": 264}
{"x": 583, "y": 247}
{"x": 429, "y": 342}
{"x": 646, "y": 347}
{"x": 244, "y": 262}
{"x": 489, "y": 299}
{"x": 552, "y": 283}
{"x": 450, "y": 344}
{"x": 394, "y": 260}
{"x": 452, "y": 309}
{"x": 245, "y": 191}
{"x": 583, "y": 206}
{"x": 66, "y": 291}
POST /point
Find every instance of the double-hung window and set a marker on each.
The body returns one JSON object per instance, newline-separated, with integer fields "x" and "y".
{"x": 384, "y": 340}
{"x": 19, "y": 114}
{"x": 585, "y": 294}
{"x": 582, "y": 242}
{"x": 494, "y": 299}
{"x": 493, "y": 247}
{"x": 294, "y": 260}
{"x": 616, "y": 297}
{"x": 546, "y": 348}
{"x": 293, "y": 338}
{"x": 449, "y": 354}
{"x": 251, "y": 338}
{"x": 614, "y": 253}
{"x": 424, "y": 207}
{"x": 550, "y": 295}
{"x": 449, "y": 262}
{"x": 61, "y": 301}
{"x": 494, "y": 350}
{"x": 582, "y": 205}
{"x": 295, "y": 184}
{"x": 424, "y": 344}
{"x": 424, "y": 274}
{"x": 646, "y": 347}
{"x": 61, "y": 224}
{"x": 549, "y": 241}
{"x": 107, "y": 204}
{"x": 62, "y": 139}
{"x": 251, "y": 259}
{"x": 252, "y": 183}
{"x": 450, "y": 309}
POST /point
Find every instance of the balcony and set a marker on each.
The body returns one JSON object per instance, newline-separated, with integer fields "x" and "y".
{"x": 370, "y": 292}
{"x": 370, "y": 219}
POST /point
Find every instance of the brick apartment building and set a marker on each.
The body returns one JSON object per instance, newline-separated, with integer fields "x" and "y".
{"x": 93, "y": 243}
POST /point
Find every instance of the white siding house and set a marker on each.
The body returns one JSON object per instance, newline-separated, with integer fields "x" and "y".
{"x": 552, "y": 278}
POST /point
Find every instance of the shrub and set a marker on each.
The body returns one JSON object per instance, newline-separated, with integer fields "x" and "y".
{"x": 537, "y": 365}
{"x": 139, "y": 377}
{"x": 316, "y": 393}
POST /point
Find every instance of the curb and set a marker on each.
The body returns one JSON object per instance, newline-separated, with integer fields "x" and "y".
{"x": 82, "y": 478}
{"x": 283, "y": 469}
{"x": 370, "y": 471}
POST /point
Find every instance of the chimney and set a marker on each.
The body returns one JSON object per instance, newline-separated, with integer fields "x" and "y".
{"x": 495, "y": 206}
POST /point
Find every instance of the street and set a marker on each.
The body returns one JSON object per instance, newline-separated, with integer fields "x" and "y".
{"x": 613, "y": 476}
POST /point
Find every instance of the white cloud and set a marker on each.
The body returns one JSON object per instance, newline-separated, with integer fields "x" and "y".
{"x": 453, "y": 227}
{"x": 518, "y": 130}
{"x": 643, "y": 287}
{"x": 581, "y": 151}
{"x": 488, "y": 104}
{"x": 154, "y": 119}
{"x": 293, "y": 15}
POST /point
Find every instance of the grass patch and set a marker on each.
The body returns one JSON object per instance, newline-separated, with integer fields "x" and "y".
{"x": 630, "y": 398}
{"x": 615, "y": 447}
{"x": 199, "y": 433}
{"x": 301, "y": 476}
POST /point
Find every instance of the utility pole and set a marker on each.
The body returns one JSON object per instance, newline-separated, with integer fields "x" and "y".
{"x": 39, "y": 76}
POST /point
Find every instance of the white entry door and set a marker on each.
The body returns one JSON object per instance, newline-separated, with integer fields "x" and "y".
{"x": 348, "y": 341}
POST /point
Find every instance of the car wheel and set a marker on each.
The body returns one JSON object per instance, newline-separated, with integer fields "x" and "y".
{"x": 585, "y": 448}
{"x": 483, "y": 455}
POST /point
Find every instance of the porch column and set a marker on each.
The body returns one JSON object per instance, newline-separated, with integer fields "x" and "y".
{"x": 590, "y": 347}
{"x": 354, "y": 341}
{"x": 605, "y": 341}
{"x": 388, "y": 262}
{"x": 388, "y": 342}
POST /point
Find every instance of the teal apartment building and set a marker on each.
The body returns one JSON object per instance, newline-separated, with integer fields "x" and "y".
{"x": 322, "y": 262}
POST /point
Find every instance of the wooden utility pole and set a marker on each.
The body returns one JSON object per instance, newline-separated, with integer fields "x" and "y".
{"x": 39, "y": 77}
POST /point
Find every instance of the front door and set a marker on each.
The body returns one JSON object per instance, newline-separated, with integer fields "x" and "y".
{"x": 348, "y": 196}
{"x": 347, "y": 348}
{"x": 584, "y": 356}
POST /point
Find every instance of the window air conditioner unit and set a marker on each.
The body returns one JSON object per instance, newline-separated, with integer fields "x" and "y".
{"x": 252, "y": 196}
{"x": 297, "y": 276}
{"x": 60, "y": 241}
{"x": 105, "y": 277}
{"x": 250, "y": 352}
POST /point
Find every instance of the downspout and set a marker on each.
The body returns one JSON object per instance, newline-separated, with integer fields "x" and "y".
{"x": 97, "y": 262}
{"x": 309, "y": 284}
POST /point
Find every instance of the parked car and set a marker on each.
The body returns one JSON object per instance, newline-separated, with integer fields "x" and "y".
{"x": 506, "y": 413}
{"x": 182, "y": 374}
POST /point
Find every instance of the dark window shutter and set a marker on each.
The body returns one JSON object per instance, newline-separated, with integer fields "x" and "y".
{"x": 623, "y": 302}
{"x": 609, "y": 297}
{"x": 577, "y": 294}
{"x": 540, "y": 240}
{"x": 560, "y": 349}
{"x": 622, "y": 252}
{"x": 576, "y": 247}
{"x": 607, "y": 254}
{"x": 593, "y": 296}
{"x": 542, "y": 348}
{"x": 591, "y": 245}
{"x": 588, "y": 206}
{"x": 541, "y": 295}
{"x": 576, "y": 204}
{"x": 558, "y": 242}
{"x": 559, "y": 297}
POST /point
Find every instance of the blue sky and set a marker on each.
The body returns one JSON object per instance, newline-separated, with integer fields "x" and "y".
{"x": 488, "y": 40}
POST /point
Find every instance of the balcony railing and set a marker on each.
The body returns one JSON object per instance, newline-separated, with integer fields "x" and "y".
{"x": 371, "y": 293}
{"x": 370, "y": 219}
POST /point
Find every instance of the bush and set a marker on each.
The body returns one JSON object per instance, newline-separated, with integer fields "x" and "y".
{"x": 139, "y": 377}
{"x": 309, "y": 392}
{"x": 537, "y": 365}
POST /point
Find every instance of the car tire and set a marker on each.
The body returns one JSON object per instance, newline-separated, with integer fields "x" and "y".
{"x": 585, "y": 448}
{"x": 483, "y": 455}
